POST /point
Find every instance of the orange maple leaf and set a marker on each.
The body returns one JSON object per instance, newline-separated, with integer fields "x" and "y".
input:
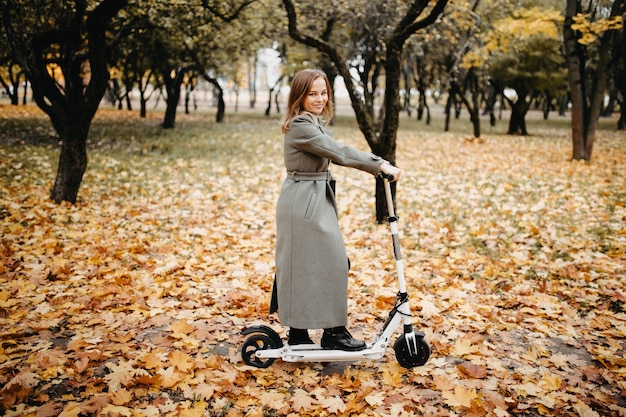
{"x": 50, "y": 358}
{"x": 148, "y": 379}
{"x": 80, "y": 365}
{"x": 93, "y": 405}
{"x": 49, "y": 410}
{"x": 471, "y": 370}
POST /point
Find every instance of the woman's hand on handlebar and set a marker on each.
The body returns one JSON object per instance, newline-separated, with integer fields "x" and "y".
{"x": 390, "y": 172}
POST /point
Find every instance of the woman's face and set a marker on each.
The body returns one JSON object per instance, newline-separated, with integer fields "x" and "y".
{"x": 317, "y": 97}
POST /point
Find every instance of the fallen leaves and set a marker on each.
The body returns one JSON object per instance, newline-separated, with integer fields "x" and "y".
{"x": 19, "y": 387}
{"x": 130, "y": 303}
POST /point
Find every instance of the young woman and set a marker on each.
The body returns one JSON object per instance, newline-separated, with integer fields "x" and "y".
{"x": 311, "y": 288}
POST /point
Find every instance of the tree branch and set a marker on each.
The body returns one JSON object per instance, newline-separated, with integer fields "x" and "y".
{"x": 222, "y": 16}
{"x": 414, "y": 12}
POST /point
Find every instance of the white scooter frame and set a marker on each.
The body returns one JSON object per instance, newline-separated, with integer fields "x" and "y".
{"x": 264, "y": 345}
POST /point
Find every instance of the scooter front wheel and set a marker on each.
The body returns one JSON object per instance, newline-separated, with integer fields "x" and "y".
{"x": 410, "y": 357}
{"x": 253, "y": 344}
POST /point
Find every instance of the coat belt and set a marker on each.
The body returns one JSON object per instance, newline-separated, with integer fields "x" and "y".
{"x": 309, "y": 176}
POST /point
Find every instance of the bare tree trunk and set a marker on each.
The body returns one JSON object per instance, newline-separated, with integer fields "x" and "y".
{"x": 173, "y": 86}
{"x": 448, "y": 110}
{"x": 517, "y": 123}
{"x": 221, "y": 105}
{"x": 72, "y": 163}
{"x": 252, "y": 68}
{"x": 143, "y": 98}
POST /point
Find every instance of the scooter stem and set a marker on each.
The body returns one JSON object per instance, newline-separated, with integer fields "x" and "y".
{"x": 393, "y": 224}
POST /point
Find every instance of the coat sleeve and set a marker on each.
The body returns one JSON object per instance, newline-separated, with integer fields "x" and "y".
{"x": 308, "y": 137}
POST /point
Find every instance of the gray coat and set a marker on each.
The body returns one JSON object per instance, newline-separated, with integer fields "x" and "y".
{"x": 311, "y": 261}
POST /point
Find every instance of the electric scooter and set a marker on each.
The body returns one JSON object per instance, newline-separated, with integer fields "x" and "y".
{"x": 263, "y": 345}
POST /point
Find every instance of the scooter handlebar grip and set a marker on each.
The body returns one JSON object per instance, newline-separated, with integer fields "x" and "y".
{"x": 387, "y": 176}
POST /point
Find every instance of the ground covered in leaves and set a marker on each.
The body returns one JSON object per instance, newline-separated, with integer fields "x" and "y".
{"x": 131, "y": 302}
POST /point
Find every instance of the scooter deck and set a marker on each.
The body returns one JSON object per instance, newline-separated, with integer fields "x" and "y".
{"x": 315, "y": 353}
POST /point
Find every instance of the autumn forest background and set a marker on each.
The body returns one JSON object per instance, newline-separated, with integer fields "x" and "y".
{"x": 137, "y": 198}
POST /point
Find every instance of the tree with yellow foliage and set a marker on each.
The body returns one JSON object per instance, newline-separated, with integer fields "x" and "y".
{"x": 590, "y": 31}
{"x": 522, "y": 52}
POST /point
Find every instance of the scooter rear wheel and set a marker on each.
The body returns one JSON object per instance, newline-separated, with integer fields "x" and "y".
{"x": 409, "y": 359}
{"x": 253, "y": 344}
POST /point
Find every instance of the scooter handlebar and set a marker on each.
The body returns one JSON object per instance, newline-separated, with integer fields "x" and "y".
{"x": 387, "y": 179}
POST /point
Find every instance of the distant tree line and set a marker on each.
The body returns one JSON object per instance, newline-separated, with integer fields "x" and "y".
{"x": 480, "y": 55}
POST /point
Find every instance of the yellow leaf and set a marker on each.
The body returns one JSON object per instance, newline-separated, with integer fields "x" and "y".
{"x": 198, "y": 410}
{"x": 153, "y": 360}
{"x": 121, "y": 397}
{"x": 181, "y": 328}
{"x": 274, "y": 400}
{"x": 121, "y": 374}
{"x": 551, "y": 382}
{"x": 333, "y": 404}
{"x": 181, "y": 361}
{"x": 461, "y": 397}
{"x": 302, "y": 401}
{"x": 428, "y": 307}
{"x": 464, "y": 347}
{"x": 392, "y": 378}
{"x": 170, "y": 377}
{"x": 375, "y": 399}
{"x": 442, "y": 383}
{"x": 583, "y": 410}
{"x": 116, "y": 410}
{"x": 72, "y": 409}
{"x": 204, "y": 391}
{"x": 529, "y": 389}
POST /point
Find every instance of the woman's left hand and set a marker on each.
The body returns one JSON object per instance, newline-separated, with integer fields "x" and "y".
{"x": 388, "y": 169}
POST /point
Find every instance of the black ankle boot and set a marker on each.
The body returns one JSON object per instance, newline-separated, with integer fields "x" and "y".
{"x": 299, "y": 337}
{"x": 339, "y": 338}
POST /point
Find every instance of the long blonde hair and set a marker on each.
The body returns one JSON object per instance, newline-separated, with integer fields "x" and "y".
{"x": 300, "y": 87}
